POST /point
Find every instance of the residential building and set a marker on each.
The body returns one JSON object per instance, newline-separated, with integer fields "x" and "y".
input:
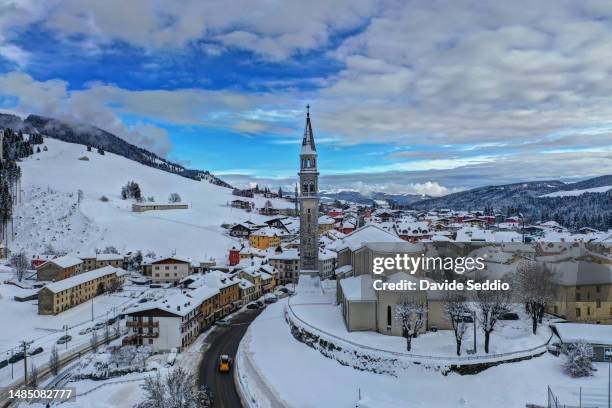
{"x": 142, "y": 207}
{"x": 170, "y": 269}
{"x": 265, "y": 238}
{"x": 59, "y": 268}
{"x": 64, "y": 294}
{"x": 173, "y": 322}
{"x": 287, "y": 263}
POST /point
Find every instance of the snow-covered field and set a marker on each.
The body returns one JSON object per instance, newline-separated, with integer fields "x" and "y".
{"x": 49, "y": 213}
{"x": 303, "y": 377}
{"x": 573, "y": 193}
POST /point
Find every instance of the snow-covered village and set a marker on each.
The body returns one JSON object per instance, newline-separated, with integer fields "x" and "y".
{"x": 290, "y": 228}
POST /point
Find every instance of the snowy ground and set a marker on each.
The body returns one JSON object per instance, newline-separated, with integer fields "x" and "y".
{"x": 318, "y": 309}
{"x": 509, "y": 336}
{"x": 49, "y": 213}
{"x": 295, "y": 370}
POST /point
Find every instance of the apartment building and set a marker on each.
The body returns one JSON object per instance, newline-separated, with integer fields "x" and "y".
{"x": 173, "y": 322}
{"x": 62, "y": 295}
{"x": 169, "y": 269}
{"x": 59, "y": 268}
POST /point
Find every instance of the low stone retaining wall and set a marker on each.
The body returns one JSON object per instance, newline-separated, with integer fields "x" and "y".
{"x": 366, "y": 358}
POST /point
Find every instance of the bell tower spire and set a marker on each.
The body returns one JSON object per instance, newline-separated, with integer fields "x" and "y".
{"x": 309, "y": 202}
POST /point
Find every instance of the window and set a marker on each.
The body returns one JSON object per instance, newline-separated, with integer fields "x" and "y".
{"x": 577, "y": 312}
{"x": 598, "y": 303}
{"x": 588, "y": 310}
{"x": 388, "y": 315}
{"x": 577, "y": 297}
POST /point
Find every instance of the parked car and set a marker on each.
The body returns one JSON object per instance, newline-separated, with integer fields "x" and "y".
{"x": 143, "y": 300}
{"x": 64, "y": 339}
{"x": 252, "y": 306}
{"x": 283, "y": 289}
{"x": 467, "y": 318}
{"x": 225, "y": 363}
{"x": 111, "y": 321}
{"x": 223, "y": 322}
{"x": 85, "y": 331}
{"x": 270, "y": 298}
{"x": 99, "y": 326}
{"x": 16, "y": 357}
{"x": 37, "y": 350}
{"x": 3, "y": 363}
{"x": 260, "y": 303}
{"x": 509, "y": 316}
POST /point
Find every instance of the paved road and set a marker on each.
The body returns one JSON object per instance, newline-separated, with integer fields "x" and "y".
{"x": 224, "y": 340}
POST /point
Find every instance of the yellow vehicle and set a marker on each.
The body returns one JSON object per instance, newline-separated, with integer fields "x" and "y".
{"x": 225, "y": 363}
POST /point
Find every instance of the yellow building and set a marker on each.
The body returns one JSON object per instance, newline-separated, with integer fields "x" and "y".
{"x": 264, "y": 238}
{"x": 584, "y": 303}
{"x": 59, "y": 296}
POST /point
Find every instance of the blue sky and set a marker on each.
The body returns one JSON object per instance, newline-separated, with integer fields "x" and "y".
{"x": 407, "y": 96}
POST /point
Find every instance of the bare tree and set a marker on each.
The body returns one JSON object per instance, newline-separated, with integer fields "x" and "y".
{"x": 20, "y": 263}
{"x": 94, "y": 340}
{"x": 534, "y": 286}
{"x": 80, "y": 196}
{"x": 107, "y": 334}
{"x": 455, "y": 309}
{"x": 174, "y": 198}
{"x": 177, "y": 389}
{"x": 491, "y": 305}
{"x": 54, "y": 361}
{"x": 412, "y": 316}
{"x": 33, "y": 378}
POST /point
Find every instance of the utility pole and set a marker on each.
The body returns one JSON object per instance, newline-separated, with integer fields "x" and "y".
{"x": 66, "y": 334}
{"x": 474, "y": 324}
{"x": 25, "y": 345}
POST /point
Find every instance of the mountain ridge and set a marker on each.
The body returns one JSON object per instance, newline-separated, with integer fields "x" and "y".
{"x": 89, "y": 135}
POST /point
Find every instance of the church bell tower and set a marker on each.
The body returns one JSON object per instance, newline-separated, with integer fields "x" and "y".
{"x": 309, "y": 203}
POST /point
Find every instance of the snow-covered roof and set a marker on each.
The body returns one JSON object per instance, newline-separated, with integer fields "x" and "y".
{"x": 109, "y": 257}
{"x": 590, "y": 333}
{"x": 81, "y": 278}
{"x": 326, "y": 219}
{"x": 267, "y": 232}
{"x": 367, "y": 233}
{"x": 358, "y": 288}
{"x": 287, "y": 254}
{"x": 183, "y": 259}
{"x": 179, "y": 304}
{"x": 64, "y": 261}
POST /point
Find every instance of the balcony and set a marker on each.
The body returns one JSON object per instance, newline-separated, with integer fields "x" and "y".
{"x": 143, "y": 323}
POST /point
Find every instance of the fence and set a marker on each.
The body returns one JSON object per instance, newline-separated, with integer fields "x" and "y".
{"x": 578, "y": 397}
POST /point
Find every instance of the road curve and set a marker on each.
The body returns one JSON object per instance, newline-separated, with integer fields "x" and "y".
{"x": 224, "y": 340}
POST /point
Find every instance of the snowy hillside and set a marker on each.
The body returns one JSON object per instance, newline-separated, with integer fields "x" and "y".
{"x": 574, "y": 193}
{"x": 49, "y": 213}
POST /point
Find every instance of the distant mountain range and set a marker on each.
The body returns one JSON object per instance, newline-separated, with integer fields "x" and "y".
{"x": 359, "y": 198}
{"x": 507, "y": 195}
{"x": 97, "y": 138}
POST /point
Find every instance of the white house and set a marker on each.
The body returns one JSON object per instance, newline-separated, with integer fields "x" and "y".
{"x": 172, "y": 322}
